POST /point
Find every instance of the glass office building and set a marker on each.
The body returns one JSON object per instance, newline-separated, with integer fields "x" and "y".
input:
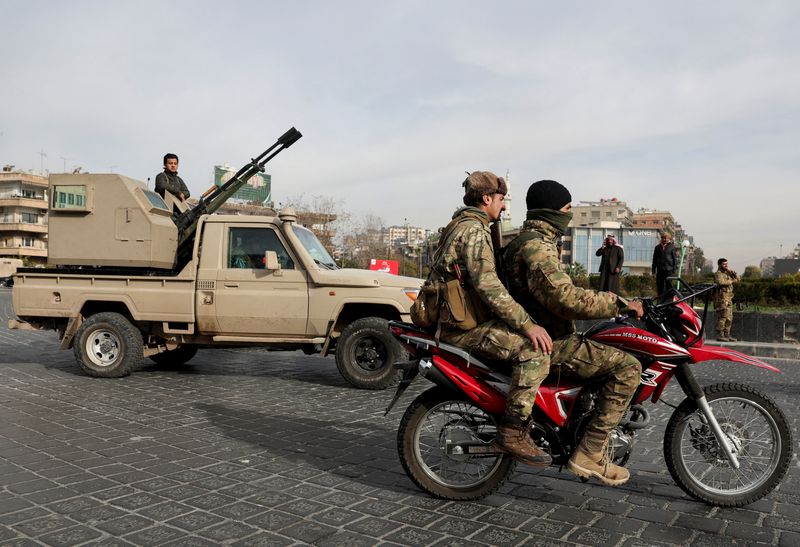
{"x": 637, "y": 243}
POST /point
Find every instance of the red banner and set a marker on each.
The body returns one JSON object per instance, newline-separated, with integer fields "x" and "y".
{"x": 388, "y": 266}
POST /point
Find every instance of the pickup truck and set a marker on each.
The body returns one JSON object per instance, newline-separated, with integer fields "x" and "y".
{"x": 262, "y": 281}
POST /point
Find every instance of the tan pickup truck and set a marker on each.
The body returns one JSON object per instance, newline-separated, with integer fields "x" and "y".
{"x": 116, "y": 293}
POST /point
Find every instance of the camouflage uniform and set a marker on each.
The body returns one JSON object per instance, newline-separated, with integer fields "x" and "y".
{"x": 547, "y": 293}
{"x": 723, "y": 301}
{"x": 172, "y": 184}
{"x": 501, "y": 338}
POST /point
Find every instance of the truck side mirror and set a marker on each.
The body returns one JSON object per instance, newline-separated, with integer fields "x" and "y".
{"x": 271, "y": 261}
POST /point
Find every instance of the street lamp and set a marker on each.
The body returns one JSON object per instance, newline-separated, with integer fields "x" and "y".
{"x": 684, "y": 247}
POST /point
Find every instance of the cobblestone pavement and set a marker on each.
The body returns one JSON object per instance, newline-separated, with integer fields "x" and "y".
{"x": 247, "y": 447}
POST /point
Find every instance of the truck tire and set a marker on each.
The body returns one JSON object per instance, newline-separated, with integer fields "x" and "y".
{"x": 366, "y": 352}
{"x": 177, "y": 356}
{"x": 107, "y": 345}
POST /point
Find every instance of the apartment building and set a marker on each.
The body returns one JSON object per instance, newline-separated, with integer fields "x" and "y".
{"x": 23, "y": 215}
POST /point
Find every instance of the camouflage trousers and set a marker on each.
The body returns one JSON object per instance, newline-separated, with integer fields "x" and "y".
{"x": 724, "y": 311}
{"x": 495, "y": 340}
{"x": 576, "y": 357}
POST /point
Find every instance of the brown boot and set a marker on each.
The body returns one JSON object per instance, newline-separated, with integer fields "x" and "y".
{"x": 513, "y": 437}
{"x": 591, "y": 459}
{"x": 729, "y": 337}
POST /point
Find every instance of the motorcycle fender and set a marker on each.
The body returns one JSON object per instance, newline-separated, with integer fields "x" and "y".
{"x": 717, "y": 353}
{"x": 482, "y": 394}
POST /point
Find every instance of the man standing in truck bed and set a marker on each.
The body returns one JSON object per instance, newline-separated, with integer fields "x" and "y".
{"x": 170, "y": 181}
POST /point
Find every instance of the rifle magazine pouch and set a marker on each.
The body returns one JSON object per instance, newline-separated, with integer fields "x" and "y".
{"x": 460, "y": 306}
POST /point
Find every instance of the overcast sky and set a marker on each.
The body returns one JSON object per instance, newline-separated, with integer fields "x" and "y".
{"x": 693, "y": 107}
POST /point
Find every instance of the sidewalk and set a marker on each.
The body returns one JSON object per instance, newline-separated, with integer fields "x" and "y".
{"x": 761, "y": 349}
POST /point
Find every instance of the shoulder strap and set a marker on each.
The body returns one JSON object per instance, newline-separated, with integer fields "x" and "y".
{"x": 512, "y": 278}
{"x": 513, "y": 248}
{"x": 448, "y": 234}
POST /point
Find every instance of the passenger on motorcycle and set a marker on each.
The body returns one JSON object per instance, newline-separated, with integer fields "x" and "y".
{"x": 479, "y": 315}
{"x": 535, "y": 280}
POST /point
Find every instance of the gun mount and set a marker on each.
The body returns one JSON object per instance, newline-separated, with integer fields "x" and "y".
{"x": 217, "y": 195}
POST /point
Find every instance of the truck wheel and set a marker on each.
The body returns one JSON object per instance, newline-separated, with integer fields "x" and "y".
{"x": 177, "y": 356}
{"x": 366, "y": 352}
{"x": 107, "y": 345}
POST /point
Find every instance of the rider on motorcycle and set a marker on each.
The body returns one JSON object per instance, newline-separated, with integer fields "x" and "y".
{"x": 493, "y": 325}
{"x": 535, "y": 280}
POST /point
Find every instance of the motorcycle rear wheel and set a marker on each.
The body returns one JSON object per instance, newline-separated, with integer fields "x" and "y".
{"x": 758, "y": 431}
{"x": 437, "y": 420}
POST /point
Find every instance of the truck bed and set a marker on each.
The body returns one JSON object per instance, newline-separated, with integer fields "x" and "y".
{"x": 64, "y": 292}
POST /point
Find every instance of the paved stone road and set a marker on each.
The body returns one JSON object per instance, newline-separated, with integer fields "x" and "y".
{"x": 246, "y": 447}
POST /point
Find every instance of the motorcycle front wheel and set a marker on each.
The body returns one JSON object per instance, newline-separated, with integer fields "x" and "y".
{"x": 433, "y": 442}
{"x": 755, "y": 427}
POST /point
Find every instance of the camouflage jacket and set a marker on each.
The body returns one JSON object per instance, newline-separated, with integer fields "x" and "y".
{"x": 725, "y": 281}
{"x": 546, "y": 292}
{"x": 172, "y": 184}
{"x": 469, "y": 246}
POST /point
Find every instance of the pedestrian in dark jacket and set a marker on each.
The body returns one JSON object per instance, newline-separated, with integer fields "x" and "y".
{"x": 665, "y": 261}
{"x": 613, "y": 256}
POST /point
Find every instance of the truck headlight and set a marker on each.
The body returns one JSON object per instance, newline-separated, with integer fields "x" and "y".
{"x": 411, "y": 293}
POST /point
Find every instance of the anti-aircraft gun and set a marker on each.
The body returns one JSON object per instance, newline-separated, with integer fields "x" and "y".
{"x": 116, "y": 223}
{"x": 217, "y": 195}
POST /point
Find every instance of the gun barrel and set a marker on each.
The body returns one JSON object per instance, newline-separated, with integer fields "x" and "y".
{"x": 215, "y": 197}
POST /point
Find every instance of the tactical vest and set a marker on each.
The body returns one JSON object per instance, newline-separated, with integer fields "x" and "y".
{"x": 517, "y": 284}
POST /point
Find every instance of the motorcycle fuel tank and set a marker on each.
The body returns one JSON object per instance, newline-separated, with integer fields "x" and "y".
{"x": 640, "y": 342}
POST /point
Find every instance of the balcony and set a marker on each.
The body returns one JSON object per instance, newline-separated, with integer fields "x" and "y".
{"x": 23, "y": 251}
{"x": 19, "y": 201}
{"x": 23, "y": 227}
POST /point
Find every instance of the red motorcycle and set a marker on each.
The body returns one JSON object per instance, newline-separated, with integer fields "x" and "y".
{"x": 726, "y": 444}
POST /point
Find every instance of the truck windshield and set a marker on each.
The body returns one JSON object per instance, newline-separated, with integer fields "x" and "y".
{"x": 314, "y": 247}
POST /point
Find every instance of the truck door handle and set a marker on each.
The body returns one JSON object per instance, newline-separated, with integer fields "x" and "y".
{"x": 231, "y": 285}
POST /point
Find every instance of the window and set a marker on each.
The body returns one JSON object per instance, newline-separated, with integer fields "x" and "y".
{"x": 69, "y": 197}
{"x": 246, "y": 248}
{"x": 30, "y": 218}
{"x": 27, "y": 241}
{"x": 28, "y": 193}
{"x": 155, "y": 200}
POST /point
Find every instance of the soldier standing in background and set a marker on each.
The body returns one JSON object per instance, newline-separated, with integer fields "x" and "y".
{"x": 170, "y": 181}
{"x": 548, "y": 295}
{"x": 613, "y": 256}
{"x": 665, "y": 262}
{"x": 494, "y": 325}
{"x": 723, "y": 299}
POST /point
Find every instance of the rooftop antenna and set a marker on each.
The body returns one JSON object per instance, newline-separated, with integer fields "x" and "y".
{"x": 42, "y": 156}
{"x": 111, "y": 168}
{"x": 65, "y": 162}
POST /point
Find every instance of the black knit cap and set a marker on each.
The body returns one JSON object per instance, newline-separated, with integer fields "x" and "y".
{"x": 547, "y": 194}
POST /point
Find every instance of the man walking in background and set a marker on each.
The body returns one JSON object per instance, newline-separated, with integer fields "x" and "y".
{"x": 725, "y": 279}
{"x": 613, "y": 256}
{"x": 665, "y": 262}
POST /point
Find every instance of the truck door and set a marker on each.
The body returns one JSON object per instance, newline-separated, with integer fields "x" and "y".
{"x": 252, "y": 300}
